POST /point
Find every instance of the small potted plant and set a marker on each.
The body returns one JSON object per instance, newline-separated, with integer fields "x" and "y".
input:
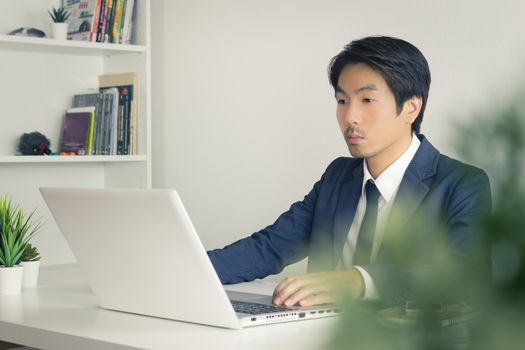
{"x": 30, "y": 260}
{"x": 16, "y": 229}
{"x": 59, "y": 16}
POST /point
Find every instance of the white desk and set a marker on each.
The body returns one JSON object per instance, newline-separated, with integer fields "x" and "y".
{"x": 62, "y": 313}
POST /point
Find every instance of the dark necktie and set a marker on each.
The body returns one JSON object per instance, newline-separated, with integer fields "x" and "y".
{"x": 363, "y": 248}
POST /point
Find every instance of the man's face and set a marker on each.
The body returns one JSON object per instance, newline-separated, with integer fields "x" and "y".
{"x": 367, "y": 116}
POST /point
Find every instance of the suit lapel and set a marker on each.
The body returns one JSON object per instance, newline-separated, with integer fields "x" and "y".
{"x": 415, "y": 185}
{"x": 409, "y": 197}
{"x": 346, "y": 208}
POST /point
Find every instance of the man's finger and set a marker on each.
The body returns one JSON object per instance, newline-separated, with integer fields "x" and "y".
{"x": 317, "y": 299}
{"x": 287, "y": 289}
{"x": 305, "y": 291}
{"x": 282, "y": 284}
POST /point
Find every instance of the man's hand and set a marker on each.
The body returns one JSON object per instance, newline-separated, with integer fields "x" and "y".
{"x": 319, "y": 288}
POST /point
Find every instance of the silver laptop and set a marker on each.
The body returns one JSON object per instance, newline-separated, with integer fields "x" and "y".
{"x": 142, "y": 255}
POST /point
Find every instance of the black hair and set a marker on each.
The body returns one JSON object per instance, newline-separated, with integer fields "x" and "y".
{"x": 401, "y": 64}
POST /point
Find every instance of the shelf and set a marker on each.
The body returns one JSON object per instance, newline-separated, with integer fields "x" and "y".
{"x": 72, "y": 47}
{"x": 72, "y": 159}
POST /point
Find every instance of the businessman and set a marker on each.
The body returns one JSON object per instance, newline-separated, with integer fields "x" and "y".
{"x": 381, "y": 88}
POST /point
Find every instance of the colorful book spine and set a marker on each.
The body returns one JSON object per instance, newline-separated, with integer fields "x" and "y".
{"x": 108, "y": 21}
{"x": 127, "y": 21}
{"x": 108, "y": 38}
{"x": 90, "y": 134}
{"x": 108, "y": 107}
{"x": 77, "y": 131}
{"x": 112, "y": 120}
{"x": 94, "y": 29}
{"x": 117, "y": 26}
{"x": 101, "y": 18}
{"x": 126, "y": 103}
{"x": 99, "y": 126}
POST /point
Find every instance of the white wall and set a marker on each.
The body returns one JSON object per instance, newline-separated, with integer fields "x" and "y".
{"x": 243, "y": 114}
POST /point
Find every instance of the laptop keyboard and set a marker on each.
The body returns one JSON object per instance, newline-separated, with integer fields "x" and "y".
{"x": 255, "y": 309}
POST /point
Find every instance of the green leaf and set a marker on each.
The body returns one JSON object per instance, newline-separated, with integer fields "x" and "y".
{"x": 59, "y": 15}
{"x": 16, "y": 230}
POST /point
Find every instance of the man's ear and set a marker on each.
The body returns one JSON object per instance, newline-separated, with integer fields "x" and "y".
{"x": 411, "y": 108}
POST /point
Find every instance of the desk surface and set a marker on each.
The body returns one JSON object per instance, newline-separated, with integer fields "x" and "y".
{"x": 62, "y": 313}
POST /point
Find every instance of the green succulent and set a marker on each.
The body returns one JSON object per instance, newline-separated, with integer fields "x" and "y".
{"x": 59, "y": 15}
{"x": 16, "y": 230}
{"x": 30, "y": 253}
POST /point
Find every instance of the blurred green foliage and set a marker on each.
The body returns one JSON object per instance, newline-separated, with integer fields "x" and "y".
{"x": 494, "y": 140}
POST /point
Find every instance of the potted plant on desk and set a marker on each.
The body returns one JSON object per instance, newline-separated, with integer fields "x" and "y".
{"x": 30, "y": 260}
{"x": 16, "y": 229}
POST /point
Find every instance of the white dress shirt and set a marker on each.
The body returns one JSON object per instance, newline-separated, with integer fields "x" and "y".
{"x": 388, "y": 184}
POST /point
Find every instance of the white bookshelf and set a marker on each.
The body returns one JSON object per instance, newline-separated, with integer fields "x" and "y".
{"x": 71, "y": 159}
{"x": 39, "y": 78}
{"x": 21, "y": 43}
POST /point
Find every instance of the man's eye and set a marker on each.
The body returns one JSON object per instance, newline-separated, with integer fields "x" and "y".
{"x": 367, "y": 100}
{"x": 341, "y": 101}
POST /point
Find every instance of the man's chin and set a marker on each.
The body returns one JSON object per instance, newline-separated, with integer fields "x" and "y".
{"x": 356, "y": 153}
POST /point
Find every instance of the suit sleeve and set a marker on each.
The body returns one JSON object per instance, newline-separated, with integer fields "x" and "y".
{"x": 464, "y": 208}
{"x": 268, "y": 251}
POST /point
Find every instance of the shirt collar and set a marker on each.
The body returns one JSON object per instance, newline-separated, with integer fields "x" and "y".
{"x": 388, "y": 182}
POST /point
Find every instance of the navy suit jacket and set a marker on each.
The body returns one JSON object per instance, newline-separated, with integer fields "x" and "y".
{"x": 435, "y": 188}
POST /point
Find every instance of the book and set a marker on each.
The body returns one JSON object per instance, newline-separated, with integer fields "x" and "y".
{"x": 94, "y": 30}
{"x": 122, "y": 21}
{"x": 98, "y": 130}
{"x": 117, "y": 24}
{"x": 77, "y": 130}
{"x": 108, "y": 27}
{"x": 126, "y": 126}
{"x": 125, "y": 35}
{"x": 81, "y": 19}
{"x": 125, "y": 111}
{"x": 102, "y": 20}
{"x": 92, "y": 99}
{"x": 111, "y": 114}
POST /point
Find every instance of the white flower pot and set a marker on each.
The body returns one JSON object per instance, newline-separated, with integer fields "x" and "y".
{"x": 59, "y": 31}
{"x": 31, "y": 269}
{"x": 11, "y": 279}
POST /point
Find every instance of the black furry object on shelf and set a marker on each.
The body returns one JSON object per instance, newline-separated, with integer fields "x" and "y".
{"x": 34, "y": 144}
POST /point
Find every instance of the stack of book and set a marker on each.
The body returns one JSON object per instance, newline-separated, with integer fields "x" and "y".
{"x": 103, "y": 122}
{"x": 105, "y": 21}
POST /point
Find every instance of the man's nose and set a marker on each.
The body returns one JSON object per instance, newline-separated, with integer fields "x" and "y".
{"x": 352, "y": 115}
